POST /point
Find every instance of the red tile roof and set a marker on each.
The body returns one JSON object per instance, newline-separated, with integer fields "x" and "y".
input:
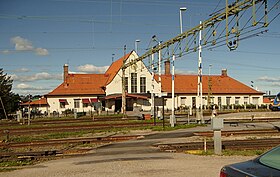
{"x": 81, "y": 84}
{"x": 42, "y": 101}
{"x": 85, "y": 84}
{"x": 187, "y": 84}
{"x": 115, "y": 67}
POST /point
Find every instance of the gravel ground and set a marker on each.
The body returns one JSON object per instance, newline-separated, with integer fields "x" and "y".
{"x": 127, "y": 165}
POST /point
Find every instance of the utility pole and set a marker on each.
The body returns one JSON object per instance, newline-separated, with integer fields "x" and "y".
{"x": 153, "y": 88}
{"x": 3, "y": 108}
{"x": 29, "y": 100}
{"x": 159, "y": 79}
{"x": 172, "y": 118}
{"x": 209, "y": 88}
{"x": 199, "y": 116}
{"x": 123, "y": 86}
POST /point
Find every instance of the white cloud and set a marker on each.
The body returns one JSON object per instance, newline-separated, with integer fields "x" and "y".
{"x": 36, "y": 77}
{"x": 22, "y": 70}
{"x": 5, "y": 51}
{"x": 24, "y": 86}
{"x": 269, "y": 79}
{"x": 22, "y": 44}
{"x": 177, "y": 71}
{"x": 92, "y": 69}
{"x": 41, "y": 51}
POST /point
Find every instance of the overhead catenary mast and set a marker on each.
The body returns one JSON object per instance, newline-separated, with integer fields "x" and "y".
{"x": 123, "y": 86}
{"x": 231, "y": 11}
{"x": 199, "y": 114}
{"x": 212, "y": 38}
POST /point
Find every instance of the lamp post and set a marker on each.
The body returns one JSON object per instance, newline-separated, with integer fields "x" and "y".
{"x": 210, "y": 65}
{"x": 136, "y": 46}
{"x": 181, "y": 22}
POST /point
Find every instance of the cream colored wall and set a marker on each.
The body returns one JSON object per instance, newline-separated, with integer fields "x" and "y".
{"x": 115, "y": 87}
{"x": 55, "y": 105}
{"x": 223, "y": 97}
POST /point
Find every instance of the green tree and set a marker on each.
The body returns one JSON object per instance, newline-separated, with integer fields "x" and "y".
{"x": 9, "y": 99}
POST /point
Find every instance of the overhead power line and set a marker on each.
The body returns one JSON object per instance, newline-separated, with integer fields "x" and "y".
{"x": 230, "y": 35}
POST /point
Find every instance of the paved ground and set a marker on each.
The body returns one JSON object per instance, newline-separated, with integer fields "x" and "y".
{"x": 138, "y": 158}
{"x": 131, "y": 165}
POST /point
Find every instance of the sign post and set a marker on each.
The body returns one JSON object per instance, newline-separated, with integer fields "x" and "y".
{"x": 217, "y": 126}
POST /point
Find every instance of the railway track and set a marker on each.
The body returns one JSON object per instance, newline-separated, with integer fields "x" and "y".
{"x": 72, "y": 128}
{"x": 119, "y": 119}
{"x": 253, "y": 144}
{"x": 66, "y": 121}
{"x": 54, "y": 143}
{"x": 240, "y": 132}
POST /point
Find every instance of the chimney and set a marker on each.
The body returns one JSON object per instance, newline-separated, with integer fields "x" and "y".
{"x": 224, "y": 72}
{"x": 65, "y": 72}
{"x": 167, "y": 67}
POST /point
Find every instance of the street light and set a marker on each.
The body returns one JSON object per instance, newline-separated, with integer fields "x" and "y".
{"x": 181, "y": 23}
{"x": 136, "y": 47}
{"x": 210, "y": 65}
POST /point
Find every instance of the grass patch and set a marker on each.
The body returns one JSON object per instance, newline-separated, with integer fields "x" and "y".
{"x": 58, "y": 135}
{"x": 243, "y": 152}
{"x": 228, "y": 152}
{"x": 15, "y": 163}
{"x": 7, "y": 169}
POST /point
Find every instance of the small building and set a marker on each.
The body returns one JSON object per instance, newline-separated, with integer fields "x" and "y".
{"x": 39, "y": 106}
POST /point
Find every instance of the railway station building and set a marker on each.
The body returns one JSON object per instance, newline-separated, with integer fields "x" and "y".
{"x": 91, "y": 92}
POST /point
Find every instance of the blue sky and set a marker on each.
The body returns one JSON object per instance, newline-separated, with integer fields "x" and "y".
{"x": 39, "y": 36}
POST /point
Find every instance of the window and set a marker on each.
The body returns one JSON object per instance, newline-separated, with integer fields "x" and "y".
{"x": 194, "y": 102}
{"x": 271, "y": 158}
{"x": 142, "y": 84}
{"x": 220, "y": 102}
{"x": 228, "y": 100}
{"x": 246, "y": 100}
{"x": 126, "y": 84}
{"x": 85, "y": 102}
{"x": 76, "y": 103}
{"x": 183, "y": 100}
{"x": 255, "y": 100}
{"x": 237, "y": 100}
{"x": 133, "y": 82}
{"x": 62, "y": 104}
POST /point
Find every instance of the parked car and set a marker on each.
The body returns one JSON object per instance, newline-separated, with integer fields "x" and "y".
{"x": 266, "y": 165}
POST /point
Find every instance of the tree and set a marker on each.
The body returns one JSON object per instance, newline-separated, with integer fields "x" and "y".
{"x": 9, "y": 99}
